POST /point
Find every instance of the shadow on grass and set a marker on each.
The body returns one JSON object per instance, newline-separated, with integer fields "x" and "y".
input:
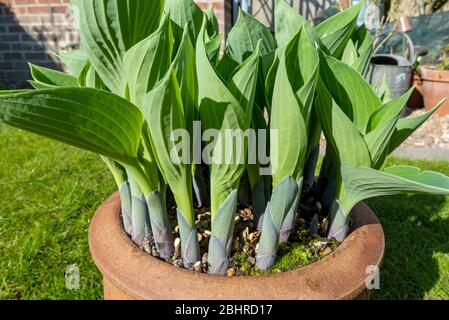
{"x": 416, "y": 229}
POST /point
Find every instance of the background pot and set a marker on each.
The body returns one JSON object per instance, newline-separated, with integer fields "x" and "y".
{"x": 129, "y": 273}
{"x": 435, "y": 88}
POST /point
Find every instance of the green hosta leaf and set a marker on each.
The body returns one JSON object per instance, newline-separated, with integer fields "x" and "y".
{"x": 364, "y": 183}
{"x": 244, "y": 82}
{"x": 383, "y": 90}
{"x": 364, "y": 44}
{"x": 164, "y": 114}
{"x": 303, "y": 65}
{"x": 222, "y": 231}
{"x": 184, "y": 12}
{"x": 212, "y": 22}
{"x": 245, "y": 36}
{"x": 406, "y": 127}
{"x": 287, "y": 22}
{"x": 52, "y": 78}
{"x": 148, "y": 61}
{"x": 226, "y": 67}
{"x": 283, "y": 201}
{"x": 336, "y": 31}
{"x": 349, "y": 90}
{"x": 340, "y": 132}
{"x": 108, "y": 28}
{"x": 185, "y": 68}
{"x": 213, "y": 46}
{"x": 74, "y": 60}
{"x": 289, "y": 146}
{"x": 388, "y": 111}
{"x": 220, "y": 110}
{"x": 90, "y": 119}
{"x": 350, "y": 55}
{"x": 381, "y": 128}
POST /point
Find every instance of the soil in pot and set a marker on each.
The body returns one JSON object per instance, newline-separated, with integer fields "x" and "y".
{"x": 307, "y": 244}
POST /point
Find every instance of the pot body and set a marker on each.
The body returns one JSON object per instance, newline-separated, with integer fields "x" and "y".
{"x": 129, "y": 273}
{"x": 435, "y": 89}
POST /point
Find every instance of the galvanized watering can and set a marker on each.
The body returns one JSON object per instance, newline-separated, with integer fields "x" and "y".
{"x": 397, "y": 69}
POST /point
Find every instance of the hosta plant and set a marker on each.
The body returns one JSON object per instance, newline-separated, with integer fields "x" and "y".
{"x": 150, "y": 84}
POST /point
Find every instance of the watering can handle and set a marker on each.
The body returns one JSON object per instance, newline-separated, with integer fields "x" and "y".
{"x": 412, "y": 57}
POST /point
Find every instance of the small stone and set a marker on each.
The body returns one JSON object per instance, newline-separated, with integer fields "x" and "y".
{"x": 327, "y": 252}
{"x": 251, "y": 260}
{"x": 154, "y": 252}
{"x": 177, "y": 229}
{"x": 237, "y": 219}
{"x": 248, "y": 212}
{"x": 207, "y": 233}
{"x": 246, "y": 234}
{"x": 200, "y": 237}
{"x": 197, "y": 267}
{"x": 178, "y": 246}
{"x": 230, "y": 272}
{"x": 204, "y": 258}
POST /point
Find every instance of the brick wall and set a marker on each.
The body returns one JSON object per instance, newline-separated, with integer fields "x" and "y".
{"x": 35, "y": 30}
{"x": 32, "y": 30}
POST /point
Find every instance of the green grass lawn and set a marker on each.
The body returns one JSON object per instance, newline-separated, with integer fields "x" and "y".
{"x": 49, "y": 192}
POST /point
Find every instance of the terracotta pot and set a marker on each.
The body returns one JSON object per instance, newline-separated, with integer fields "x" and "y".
{"x": 416, "y": 100}
{"x": 129, "y": 273}
{"x": 435, "y": 89}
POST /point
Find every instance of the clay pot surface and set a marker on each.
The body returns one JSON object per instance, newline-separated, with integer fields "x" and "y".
{"x": 130, "y": 273}
{"x": 435, "y": 89}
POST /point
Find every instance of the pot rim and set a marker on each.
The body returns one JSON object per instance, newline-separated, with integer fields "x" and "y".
{"x": 428, "y": 73}
{"x": 341, "y": 275}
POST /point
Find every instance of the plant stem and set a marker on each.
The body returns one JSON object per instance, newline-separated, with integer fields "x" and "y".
{"x": 160, "y": 224}
{"x": 220, "y": 242}
{"x": 288, "y": 226}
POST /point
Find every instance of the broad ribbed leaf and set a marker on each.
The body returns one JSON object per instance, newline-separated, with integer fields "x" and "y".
{"x": 164, "y": 114}
{"x": 289, "y": 146}
{"x": 90, "y": 119}
{"x": 184, "y": 12}
{"x": 52, "y": 78}
{"x": 363, "y": 42}
{"x": 244, "y": 82}
{"x": 148, "y": 61}
{"x": 220, "y": 110}
{"x": 212, "y": 22}
{"x": 388, "y": 111}
{"x": 406, "y": 127}
{"x": 245, "y": 36}
{"x": 74, "y": 60}
{"x": 365, "y": 183}
{"x": 350, "y": 91}
{"x": 340, "y": 132}
{"x": 108, "y": 28}
{"x": 287, "y": 22}
{"x": 226, "y": 67}
{"x": 185, "y": 68}
{"x": 162, "y": 109}
{"x": 381, "y": 128}
{"x": 213, "y": 46}
{"x": 303, "y": 66}
{"x": 336, "y": 31}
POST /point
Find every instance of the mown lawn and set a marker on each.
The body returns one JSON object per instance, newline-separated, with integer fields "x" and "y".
{"x": 49, "y": 192}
